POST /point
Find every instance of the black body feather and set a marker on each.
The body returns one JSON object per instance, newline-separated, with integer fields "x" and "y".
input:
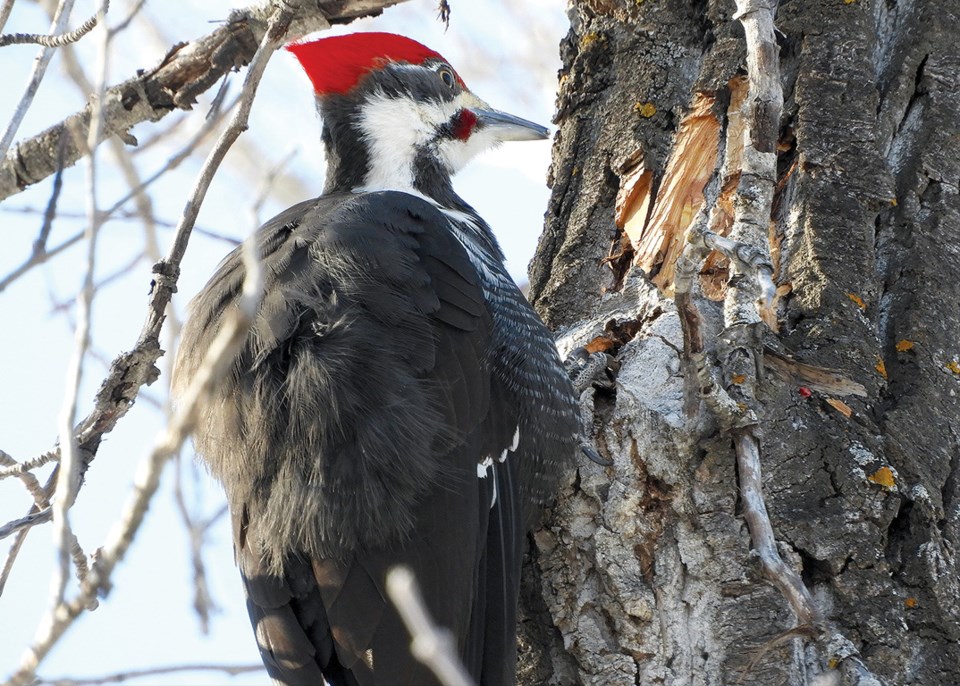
{"x": 390, "y": 357}
{"x": 392, "y": 362}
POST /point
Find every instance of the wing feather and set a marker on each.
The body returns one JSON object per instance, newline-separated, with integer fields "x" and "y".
{"x": 350, "y": 430}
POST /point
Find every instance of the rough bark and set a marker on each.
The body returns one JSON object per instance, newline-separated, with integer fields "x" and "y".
{"x": 644, "y": 571}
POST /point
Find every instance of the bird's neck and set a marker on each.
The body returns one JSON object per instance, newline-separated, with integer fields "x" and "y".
{"x": 368, "y": 163}
{"x": 362, "y": 164}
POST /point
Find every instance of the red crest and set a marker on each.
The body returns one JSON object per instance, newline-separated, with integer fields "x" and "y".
{"x": 335, "y": 65}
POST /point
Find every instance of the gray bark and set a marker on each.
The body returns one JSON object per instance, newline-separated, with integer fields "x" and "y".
{"x": 643, "y": 572}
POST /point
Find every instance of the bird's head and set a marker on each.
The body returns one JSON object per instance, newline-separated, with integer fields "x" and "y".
{"x": 396, "y": 115}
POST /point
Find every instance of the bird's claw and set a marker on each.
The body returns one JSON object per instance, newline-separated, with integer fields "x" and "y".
{"x": 594, "y": 456}
{"x": 587, "y": 372}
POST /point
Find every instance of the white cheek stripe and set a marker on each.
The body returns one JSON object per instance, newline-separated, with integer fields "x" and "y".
{"x": 396, "y": 128}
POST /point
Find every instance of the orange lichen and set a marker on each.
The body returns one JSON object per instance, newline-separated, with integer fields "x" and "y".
{"x": 600, "y": 344}
{"x": 883, "y": 477}
{"x": 857, "y": 300}
{"x": 645, "y": 109}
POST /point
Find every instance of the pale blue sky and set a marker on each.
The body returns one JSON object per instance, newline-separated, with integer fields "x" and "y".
{"x": 147, "y": 620}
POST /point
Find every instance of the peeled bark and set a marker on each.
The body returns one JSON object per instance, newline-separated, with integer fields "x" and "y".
{"x": 643, "y": 572}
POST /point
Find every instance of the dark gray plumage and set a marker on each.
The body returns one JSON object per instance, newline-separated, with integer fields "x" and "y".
{"x": 391, "y": 363}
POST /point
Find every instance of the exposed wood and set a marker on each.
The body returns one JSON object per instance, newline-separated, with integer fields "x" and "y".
{"x": 645, "y": 573}
{"x": 815, "y": 378}
{"x": 657, "y": 242}
{"x": 715, "y": 273}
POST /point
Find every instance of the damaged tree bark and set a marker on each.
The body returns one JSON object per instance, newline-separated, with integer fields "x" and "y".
{"x": 645, "y": 572}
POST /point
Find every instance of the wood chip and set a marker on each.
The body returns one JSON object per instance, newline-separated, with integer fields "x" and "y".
{"x": 840, "y": 407}
{"x": 819, "y": 379}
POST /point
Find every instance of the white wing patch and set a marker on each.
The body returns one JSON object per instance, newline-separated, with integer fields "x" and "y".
{"x": 487, "y": 467}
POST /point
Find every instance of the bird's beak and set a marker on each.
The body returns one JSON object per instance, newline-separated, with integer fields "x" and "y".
{"x": 506, "y": 127}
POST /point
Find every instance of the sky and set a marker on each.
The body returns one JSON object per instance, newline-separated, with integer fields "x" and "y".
{"x": 509, "y": 58}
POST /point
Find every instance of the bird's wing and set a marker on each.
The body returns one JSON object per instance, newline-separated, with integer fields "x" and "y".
{"x": 348, "y": 434}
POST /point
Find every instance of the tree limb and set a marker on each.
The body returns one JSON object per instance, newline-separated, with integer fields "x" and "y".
{"x": 217, "y": 362}
{"x": 187, "y": 71}
{"x": 57, "y": 40}
{"x": 121, "y": 677}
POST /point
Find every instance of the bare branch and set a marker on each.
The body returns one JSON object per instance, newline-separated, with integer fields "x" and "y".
{"x": 747, "y": 259}
{"x": 14, "y": 468}
{"x": 432, "y": 645}
{"x": 186, "y": 72}
{"x": 125, "y": 22}
{"x": 68, "y": 479}
{"x": 217, "y": 362}
{"x": 121, "y": 677}
{"x": 203, "y": 603}
{"x": 60, "y": 20}
{"x": 782, "y": 576}
{"x": 25, "y": 522}
{"x": 5, "y": 10}
{"x": 51, "y": 41}
{"x": 209, "y": 124}
{"x": 39, "y": 504}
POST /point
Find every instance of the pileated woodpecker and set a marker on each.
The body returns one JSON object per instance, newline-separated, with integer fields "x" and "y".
{"x": 397, "y": 401}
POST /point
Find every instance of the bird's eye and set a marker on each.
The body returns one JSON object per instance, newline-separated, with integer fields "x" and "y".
{"x": 446, "y": 75}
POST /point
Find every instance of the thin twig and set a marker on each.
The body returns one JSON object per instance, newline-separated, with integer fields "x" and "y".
{"x": 748, "y": 260}
{"x": 5, "y": 10}
{"x": 69, "y": 475}
{"x": 14, "y": 468}
{"x": 266, "y": 185}
{"x": 60, "y": 20}
{"x": 203, "y": 603}
{"x": 50, "y": 213}
{"x": 11, "y": 558}
{"x": 27, "y": 521}
{"x": 125, "y": 22}
{"x": 126, "y": 216}
{"x": 787, "y": 581}
{"x": 217, "y": 362}
{"x": 35, "y": 260}
{"x": 54, "y": 40}
{"x": 432, "y": 645}
{"x": 209, "y": 125}
{"x": 77, "y": 74}
{"x": 121, "y": 677}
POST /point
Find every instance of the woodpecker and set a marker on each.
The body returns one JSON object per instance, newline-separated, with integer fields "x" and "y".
{"x": 397, "y": 400}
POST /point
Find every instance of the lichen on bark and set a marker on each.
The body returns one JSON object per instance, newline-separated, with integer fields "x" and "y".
{"x": 644, "y": 571}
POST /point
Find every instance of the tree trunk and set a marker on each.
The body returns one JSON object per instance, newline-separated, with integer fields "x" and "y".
{"x": 644, "y": 572}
